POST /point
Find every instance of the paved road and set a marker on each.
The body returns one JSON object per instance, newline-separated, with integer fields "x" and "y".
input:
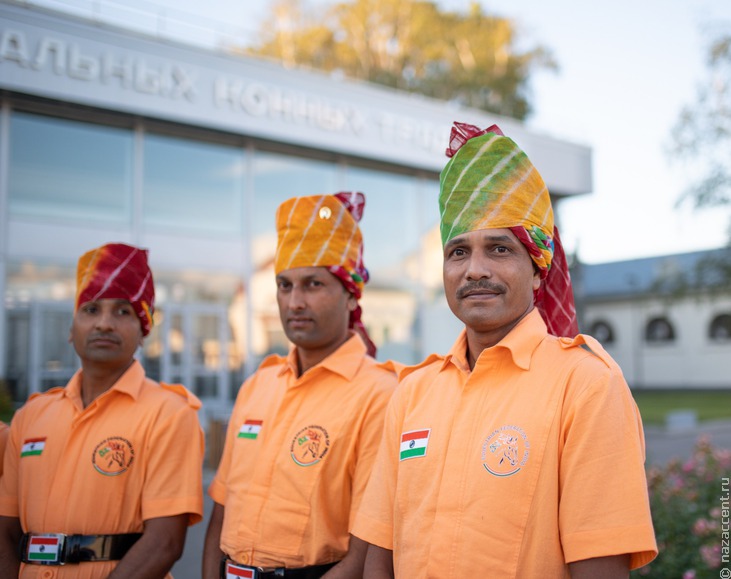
{"x": 662, "y": 445}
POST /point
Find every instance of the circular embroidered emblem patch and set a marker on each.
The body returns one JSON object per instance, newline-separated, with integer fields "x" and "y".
{"x": 505, "y": 451}
{"x": 310, "y": 445}
{"x": 113, "y": 456}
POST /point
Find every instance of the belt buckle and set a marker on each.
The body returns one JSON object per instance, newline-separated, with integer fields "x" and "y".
{"x": 46, "y": 549}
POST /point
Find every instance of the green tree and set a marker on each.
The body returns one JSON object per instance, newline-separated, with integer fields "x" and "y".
{"x": 702, "y": 135}
{"x": 701, "y": 139}
{"x": 410, "y": 45}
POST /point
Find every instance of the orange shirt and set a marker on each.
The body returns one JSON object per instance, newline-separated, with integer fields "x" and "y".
{"x": 532, "y": 460}
{"x": 134, "y": 453}
{"x": 298, "y": 455}
{"x": 4, "y": 432}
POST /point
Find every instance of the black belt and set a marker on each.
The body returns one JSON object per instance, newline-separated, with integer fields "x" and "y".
{"x": 59, "y": 549}
{"x": 248, "y": 572}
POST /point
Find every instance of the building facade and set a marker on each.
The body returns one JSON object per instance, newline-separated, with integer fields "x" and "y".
{"x": 666, "y": 320}
{"x": 110, "y": 135}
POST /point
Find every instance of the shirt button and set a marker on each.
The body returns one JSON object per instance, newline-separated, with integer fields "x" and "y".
{"x": 245, "y": 559}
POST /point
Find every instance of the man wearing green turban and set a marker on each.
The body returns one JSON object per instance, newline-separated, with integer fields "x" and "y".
{"x": 520, "y": 453}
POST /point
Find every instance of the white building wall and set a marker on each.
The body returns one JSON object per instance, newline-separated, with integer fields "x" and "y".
{"x": 692, "y": 360}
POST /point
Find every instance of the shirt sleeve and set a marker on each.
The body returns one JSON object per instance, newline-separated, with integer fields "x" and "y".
{"x": 9, "y": 478}
{"x": 374, "y": 520}
{"x": 368, "y": 442}
{"x": 217, "y": 488}
{"x": 604, "y": 505}
{"x": 174, "y": 483}
{"x": 4, "y": 433}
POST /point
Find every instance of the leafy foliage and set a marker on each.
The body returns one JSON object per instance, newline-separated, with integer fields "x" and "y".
{"x": 702, "y": 134}
{"x": 410, "y": 45}
{"x": 687, "y": 513}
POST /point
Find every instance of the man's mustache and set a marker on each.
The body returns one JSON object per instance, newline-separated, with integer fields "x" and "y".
{"x": 480, "y": 285}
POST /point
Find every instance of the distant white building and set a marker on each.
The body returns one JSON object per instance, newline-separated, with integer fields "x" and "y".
{"x": 665, "y": 320}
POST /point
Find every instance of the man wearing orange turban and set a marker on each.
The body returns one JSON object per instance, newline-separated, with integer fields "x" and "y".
{"x": 520, "y": 453}
{"x": 103, "y": 476}
{"x": 304, "y": 430}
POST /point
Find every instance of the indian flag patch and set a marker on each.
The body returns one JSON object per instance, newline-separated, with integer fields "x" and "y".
{"x": 414, "y": 443}
{"x": 250, "y": 429}
{"x": 33, "y": 447}
{"x": 234, "y": 571}
{"x": 44, "y": 548}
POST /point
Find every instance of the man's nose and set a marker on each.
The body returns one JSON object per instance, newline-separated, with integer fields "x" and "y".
{"x": 105, "y": 319}
{"x": 478, "y": 267}
{"x": 297, "y": 299}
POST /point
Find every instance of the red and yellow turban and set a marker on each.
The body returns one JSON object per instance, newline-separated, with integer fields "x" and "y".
{"x": 117, "y": 271}
{"x": 323, "y": 231}
{"x": 489, "y": 183}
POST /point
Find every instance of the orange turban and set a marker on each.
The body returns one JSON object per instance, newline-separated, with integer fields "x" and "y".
{"x": 322, "y": 231}
{"x": 117, "y": 271}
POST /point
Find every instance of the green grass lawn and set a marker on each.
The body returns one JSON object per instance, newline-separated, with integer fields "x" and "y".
{"x": 708, "y": 404}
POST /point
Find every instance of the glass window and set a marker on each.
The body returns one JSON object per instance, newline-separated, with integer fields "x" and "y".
{"x": 720, "y": 329}
{"x": 391, "y": 206}
{"x": 192, "y": 186}
{"x": 17, "y": 351}
{"x": 659, "y": 330}
{"x": 69, "y": 170}
{"x": 602, "y": 331}
{"x": 398, "y": 222}
{"x": 276, "y": 178}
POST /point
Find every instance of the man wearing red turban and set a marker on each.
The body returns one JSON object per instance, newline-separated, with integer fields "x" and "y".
{"x": 304, "y": 430}
{"x": 103, "y": 477}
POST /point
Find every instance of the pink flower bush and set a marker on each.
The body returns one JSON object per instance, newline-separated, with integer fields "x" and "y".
{"x": 684, "y": 497}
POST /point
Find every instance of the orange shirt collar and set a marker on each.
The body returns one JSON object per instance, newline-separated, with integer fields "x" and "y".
{"x": 129, "y": 383}
{"x": 521, "y": 342}
{"x": 344, "y": 361}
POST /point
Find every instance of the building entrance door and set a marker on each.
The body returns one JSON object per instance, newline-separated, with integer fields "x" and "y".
{"x": 191, "y": 345}
{"x": 39, "y": 355}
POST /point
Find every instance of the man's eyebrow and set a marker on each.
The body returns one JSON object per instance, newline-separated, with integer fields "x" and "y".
{"x": 487, "y": 237}
{"x": 454, "y": 241}
{"x": 500, "y": 238}
{"x": 305, "y": 278}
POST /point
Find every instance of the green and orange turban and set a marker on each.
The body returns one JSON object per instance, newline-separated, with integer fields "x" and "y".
{"x": 323, "y": 231}
{"x": 117, "y": 271}
{"x": 489, "y": 183}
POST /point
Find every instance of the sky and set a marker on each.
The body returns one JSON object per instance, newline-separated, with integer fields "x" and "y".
{"x": 626, "y": 70}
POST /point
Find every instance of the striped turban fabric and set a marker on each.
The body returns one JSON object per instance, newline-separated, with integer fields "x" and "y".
{"x": 489, "y": 183}
{"x": 323, "y": 231}
{"x": 117, "y": 271}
